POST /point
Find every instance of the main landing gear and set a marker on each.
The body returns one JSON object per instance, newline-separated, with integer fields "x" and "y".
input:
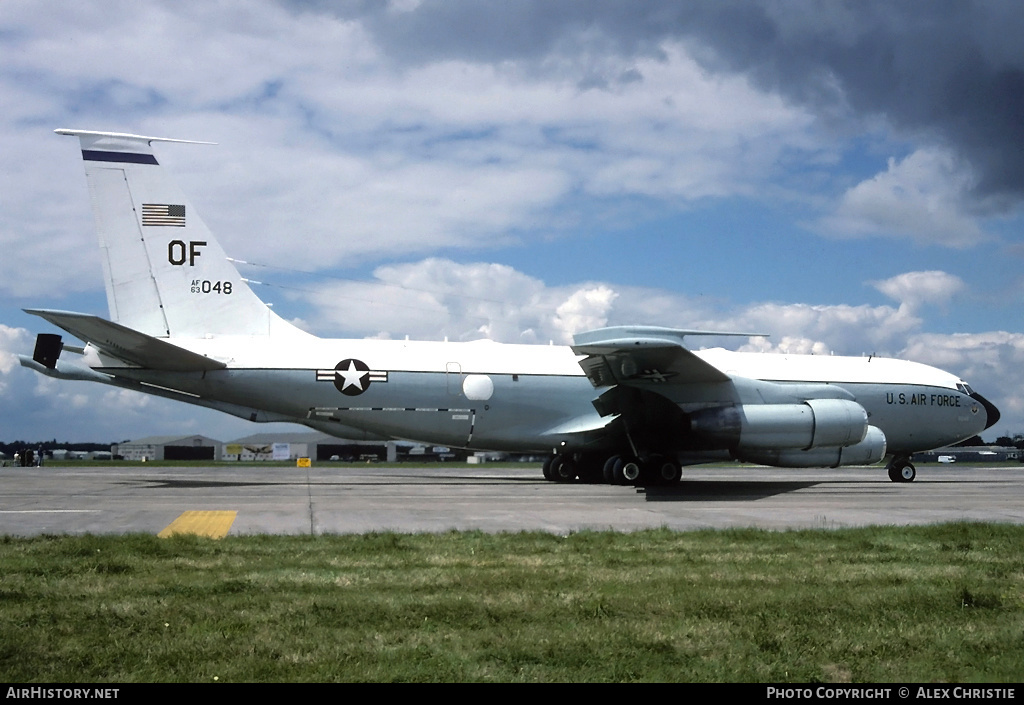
{"x": 614, "y": 470}
{"x": 901, "y": 469}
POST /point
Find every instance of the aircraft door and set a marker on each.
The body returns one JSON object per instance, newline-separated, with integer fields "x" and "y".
{"x": 453, "y": 378}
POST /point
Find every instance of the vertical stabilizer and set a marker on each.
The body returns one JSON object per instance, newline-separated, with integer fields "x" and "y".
{"x": 166, "y": 275}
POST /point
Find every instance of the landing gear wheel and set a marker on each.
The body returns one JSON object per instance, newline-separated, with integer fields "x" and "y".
{"x": 626, "y": 470}
{"x": 902, "y": 471}
{"x": 631, "y": 470}
{"x": 547, "y": 468}
{"x": 562, "y": 469}
{"x": 666, "y": 471}
{"x": 608, "y": 471}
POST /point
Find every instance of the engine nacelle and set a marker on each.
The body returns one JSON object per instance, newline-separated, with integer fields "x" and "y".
{"x": 867, "y": 452}
{"x": 815, "y": 423}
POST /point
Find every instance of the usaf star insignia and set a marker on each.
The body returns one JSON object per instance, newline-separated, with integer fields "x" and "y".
{"x": 655, "y": 375}
{"x": 352, "y": 377}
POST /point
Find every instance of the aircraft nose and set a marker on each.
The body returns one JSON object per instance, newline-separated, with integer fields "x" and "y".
{"x": 990, "y": 409}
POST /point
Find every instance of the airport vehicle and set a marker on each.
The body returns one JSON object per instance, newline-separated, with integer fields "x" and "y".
{"x": 626, "y": 404}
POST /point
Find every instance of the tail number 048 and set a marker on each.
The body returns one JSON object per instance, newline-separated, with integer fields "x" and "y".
{"x": 205, "y": 286}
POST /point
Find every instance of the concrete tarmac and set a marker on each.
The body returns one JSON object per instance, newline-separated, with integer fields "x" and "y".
{"x": 354, "y": 499}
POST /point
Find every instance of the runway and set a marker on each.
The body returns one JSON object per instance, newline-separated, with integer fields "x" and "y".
{"x": 357, "y": 499}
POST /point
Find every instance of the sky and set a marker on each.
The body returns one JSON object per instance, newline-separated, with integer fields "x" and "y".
{"x": 846, "y": 177}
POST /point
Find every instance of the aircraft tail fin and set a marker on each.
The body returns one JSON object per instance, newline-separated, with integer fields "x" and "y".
{"x": 166, "y": 275}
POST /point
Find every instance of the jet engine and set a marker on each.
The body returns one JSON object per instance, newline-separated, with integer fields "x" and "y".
{"x": 815, "y": 423}
{"x": 867, "y": 452}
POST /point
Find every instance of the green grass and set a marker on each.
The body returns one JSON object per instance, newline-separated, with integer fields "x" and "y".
{"x": 941, "y": 603}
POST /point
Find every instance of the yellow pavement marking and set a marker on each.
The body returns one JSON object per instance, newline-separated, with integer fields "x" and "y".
{"x": 204, "y": 523}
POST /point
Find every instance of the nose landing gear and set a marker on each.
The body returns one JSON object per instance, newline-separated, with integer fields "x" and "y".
{"x": 901, "y": 469}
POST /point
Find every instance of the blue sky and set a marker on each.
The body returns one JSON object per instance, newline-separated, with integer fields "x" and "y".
{"x": 845, "y": 177}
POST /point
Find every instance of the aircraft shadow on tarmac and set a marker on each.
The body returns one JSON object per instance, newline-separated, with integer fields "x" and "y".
{"x": 720, "y": 491}
{"x": 171, "y": 484}
{"x": 174, "y": 484}
{"x": 692, "y": 491}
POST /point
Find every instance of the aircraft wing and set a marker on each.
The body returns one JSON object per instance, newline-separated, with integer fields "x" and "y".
{"x": 582, "y": 426}
{"x": 126, "y": 344}
{"x": 643, "y": 354}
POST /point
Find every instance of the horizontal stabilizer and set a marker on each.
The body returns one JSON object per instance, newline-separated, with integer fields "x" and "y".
{"x": 123, "y": 136}
{"x": 126, "y": 344}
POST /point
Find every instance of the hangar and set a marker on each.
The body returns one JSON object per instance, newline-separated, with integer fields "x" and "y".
{"x": 193, "y": 447}
{"x": 317, "y": 446}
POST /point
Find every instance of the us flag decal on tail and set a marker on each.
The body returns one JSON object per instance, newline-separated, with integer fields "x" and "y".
{"x": 163, "y": 214}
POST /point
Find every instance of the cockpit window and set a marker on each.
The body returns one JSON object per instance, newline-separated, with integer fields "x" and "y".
{"x": 965, "y": 388}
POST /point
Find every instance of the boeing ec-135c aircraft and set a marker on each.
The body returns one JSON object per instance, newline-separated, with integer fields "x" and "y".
{"x": 623, "y": 405}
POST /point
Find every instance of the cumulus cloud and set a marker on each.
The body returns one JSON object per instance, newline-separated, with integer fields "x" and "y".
{"x": 584, "y": 310}
{"x": 923, "y": 196}
{"x": 13, "y": 341}
{"x": 978, "y": 352}
{"x": 840, "y": 329}
{"x": 787, "y": 345}
{"x": 438, "y": 298}
{"x": 916, "y": 289}
{"x": 950, "y": 72}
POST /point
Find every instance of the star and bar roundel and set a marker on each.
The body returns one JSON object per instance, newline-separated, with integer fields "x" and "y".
{"x": 352, "y": 377}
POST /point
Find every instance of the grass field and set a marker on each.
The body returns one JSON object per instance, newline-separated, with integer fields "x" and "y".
{"x": 941, "y": 603}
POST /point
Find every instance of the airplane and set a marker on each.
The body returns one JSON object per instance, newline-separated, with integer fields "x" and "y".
{"x": 623, "y": 405}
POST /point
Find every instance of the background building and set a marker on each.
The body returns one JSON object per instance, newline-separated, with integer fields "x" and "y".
{"x": 169, "y": 448}
{"x": 317, "y": 446}
{"x": 322, "y": 447}
{"x": 971, "y": 454}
